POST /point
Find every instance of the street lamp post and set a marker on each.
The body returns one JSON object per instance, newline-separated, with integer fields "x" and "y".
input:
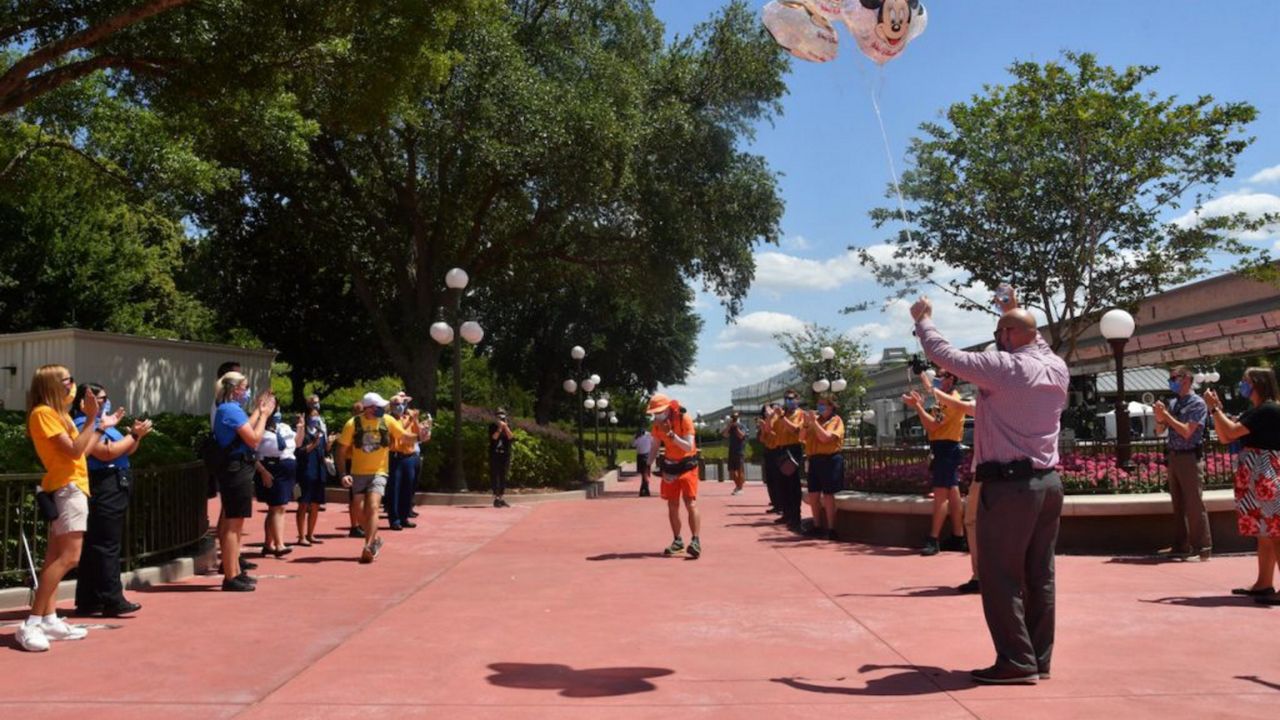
{"x": 613, "y": 451}
{"x": 1117, "y": 327}
{"x": 454, "y": 332}
{"x": 575, "y": 386}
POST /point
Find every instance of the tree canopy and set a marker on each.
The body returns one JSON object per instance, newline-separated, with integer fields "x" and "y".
{"x": 1058, "y": 183}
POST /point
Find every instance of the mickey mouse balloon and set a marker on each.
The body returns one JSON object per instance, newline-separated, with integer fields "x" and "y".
{"x": 883, "y": 28}
{"x": 797, "y": 26}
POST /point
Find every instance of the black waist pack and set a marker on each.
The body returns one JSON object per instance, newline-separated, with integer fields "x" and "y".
{"x": 1005, "y": 472}
{"x": 48, "y": 508}
{"x": 678, "y": 467}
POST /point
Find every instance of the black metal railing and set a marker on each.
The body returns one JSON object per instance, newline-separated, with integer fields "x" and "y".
{"x": 1087, "y": 468}
{"x": 167, "y": 517}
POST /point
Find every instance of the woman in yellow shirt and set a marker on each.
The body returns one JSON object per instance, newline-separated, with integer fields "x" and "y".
{"x": 823, "y": 442}
{"x": 945, "y": 430}
{"x": 62, "y": 452}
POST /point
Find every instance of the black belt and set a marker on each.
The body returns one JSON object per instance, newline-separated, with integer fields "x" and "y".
{"x": 678, "y": 467}
{"x": 1016, "y": 471}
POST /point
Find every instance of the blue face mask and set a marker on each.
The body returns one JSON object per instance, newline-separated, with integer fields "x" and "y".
{"x": 246, "y": 398}
{"x": 789, "y": 403}
{"x": 379, "y": 412}
{"x": 1246, "y": 389}
{"x": 937, "y": 383}
{"x": 313, "y": 422}
{"x": 106, "y": 408}
{"x": 277, "y": 418}
{"x": 822, "y": 409}
{"x": 397, "y": 410}
{"x": 1175, "y": 386}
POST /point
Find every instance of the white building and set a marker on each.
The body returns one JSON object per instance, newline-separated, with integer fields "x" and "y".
{"x": 144, "y": 375}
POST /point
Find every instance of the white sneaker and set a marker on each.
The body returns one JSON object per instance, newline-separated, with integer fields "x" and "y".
{"x": 32, "y": 638}
{"x": 736, "y": 491}
{"x": 60, "y": 630}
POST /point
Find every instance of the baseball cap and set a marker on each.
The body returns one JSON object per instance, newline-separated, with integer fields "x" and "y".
{"x": 374, "y": 399}
{"x": 658, "y": 404}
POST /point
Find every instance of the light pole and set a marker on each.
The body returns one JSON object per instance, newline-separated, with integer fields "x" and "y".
{"x": 576, "y": 388}
{"x": 1117, "y": 327}
{"x": 613, "y": 452}
{"x": 454, "y": 332}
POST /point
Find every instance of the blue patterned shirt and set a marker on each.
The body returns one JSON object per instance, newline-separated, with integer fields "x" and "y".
{"x": 1188, "y": 409}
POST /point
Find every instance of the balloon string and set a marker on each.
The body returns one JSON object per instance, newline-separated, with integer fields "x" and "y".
{"x": 888, "y": 153}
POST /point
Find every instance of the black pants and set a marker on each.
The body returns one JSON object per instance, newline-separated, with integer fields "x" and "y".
{"x": 1018, "y": 531}
{"x": 98, "y": 583}
{"x": 790, "y": 488}
{"x": 770, "y": 471}
{"x": 499, "y": 469}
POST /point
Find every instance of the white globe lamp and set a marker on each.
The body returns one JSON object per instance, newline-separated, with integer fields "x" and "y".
{"x": 456, "y": 279}
{"x": 472, "y": 332}
{"x": 441, "y": 333}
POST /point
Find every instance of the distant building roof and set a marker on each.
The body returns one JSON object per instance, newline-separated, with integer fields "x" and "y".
{"x": 1136, "y": 380}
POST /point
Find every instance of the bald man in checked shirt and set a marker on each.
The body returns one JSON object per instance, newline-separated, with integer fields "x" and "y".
{"x": 1022, "y": 390}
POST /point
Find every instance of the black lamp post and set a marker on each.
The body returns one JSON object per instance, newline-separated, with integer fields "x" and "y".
{"x": 577, "y": 386}
{"x": 1117, "y": 327}
{"x": 454, "y": 332}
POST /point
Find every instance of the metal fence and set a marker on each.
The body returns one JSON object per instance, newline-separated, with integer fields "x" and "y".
{"x": 1087, "y": 468}
{"x": 167, "y": 517}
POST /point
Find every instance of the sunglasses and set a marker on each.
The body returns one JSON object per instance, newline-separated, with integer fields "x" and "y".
{"x": 68, "y": 380}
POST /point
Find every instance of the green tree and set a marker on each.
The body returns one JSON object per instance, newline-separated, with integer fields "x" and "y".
{"x": 564, "y": 134}
{"x": 1057, "y": 183}
{"x": 804, "y": 349}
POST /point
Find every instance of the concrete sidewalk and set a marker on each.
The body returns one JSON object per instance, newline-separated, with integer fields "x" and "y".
{"x": 568, "y": 610}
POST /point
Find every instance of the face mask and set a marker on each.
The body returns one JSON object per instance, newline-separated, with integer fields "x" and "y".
{"x": 1246, "y": 389}
{"x": 106, "y": 408}
{"x": 503, "y": 418}
{"x": 246, "y": 397}
{"x": 789, "y": 403}
{"x": 1175, "y": 386}
{"x": 937, "y": 383}
{"x": 379, "y": 412}
{"x": 822, "y": 409}
{"x": 315, "y": 406}
{"x": 277, "y": 418}
{"x": 397, "y": 410}
{"x": 313, "y": 422}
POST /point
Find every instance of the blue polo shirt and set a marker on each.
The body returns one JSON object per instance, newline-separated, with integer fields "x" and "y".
{"x": 114, "y": 436}
{"x": 227, "y": 420}
{"x": 1189, "y": 409}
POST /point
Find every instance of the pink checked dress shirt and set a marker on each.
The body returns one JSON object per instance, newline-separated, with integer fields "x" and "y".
{"x": 1022, "y": 394}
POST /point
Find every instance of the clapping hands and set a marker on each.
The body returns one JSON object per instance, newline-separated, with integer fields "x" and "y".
{"x": 1212, "y": 400}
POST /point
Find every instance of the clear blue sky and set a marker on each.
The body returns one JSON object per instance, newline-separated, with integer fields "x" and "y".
{"x": 826, "y": 145}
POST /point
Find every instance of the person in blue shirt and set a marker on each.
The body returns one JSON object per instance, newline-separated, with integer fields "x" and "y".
{"x": 98, "y": 588}
{"x": 313, "y": 446}
{"x": 238, "y": 434}
{"x": 1185, "y": 420}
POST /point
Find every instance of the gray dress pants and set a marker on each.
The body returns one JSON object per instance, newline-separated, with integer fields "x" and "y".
{"x": 1018, "y": 531}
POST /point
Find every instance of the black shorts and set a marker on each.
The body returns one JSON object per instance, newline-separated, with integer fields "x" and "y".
{"x": 736, "y": 462}
{"x": 826, "y": 474}
{"x": 235, "y": 487}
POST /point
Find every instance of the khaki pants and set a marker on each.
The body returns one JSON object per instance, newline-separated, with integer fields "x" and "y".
{"x": 1190, "y": 519}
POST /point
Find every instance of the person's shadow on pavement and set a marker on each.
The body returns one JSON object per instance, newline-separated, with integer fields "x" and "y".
{"x": 914, "y": 680}
{"x": 587, "y": 683}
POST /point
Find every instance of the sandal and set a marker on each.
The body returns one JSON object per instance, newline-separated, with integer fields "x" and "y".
{"x": 302, "y": 542}
{"x": 311, "y": 539}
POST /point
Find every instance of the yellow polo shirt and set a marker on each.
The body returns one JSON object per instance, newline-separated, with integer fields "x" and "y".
{"x": 44, "y": 424}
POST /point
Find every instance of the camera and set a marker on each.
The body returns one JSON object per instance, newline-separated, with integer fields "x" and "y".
{"x": 917, "y": 364}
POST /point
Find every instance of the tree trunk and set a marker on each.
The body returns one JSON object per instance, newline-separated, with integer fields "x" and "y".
{"x": 299, "y": 382}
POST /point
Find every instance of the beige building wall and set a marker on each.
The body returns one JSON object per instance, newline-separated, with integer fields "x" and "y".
{"x": 145, "y": 375}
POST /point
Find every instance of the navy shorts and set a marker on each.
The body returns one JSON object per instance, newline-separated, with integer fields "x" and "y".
{"x": 826, "y": 474}
{"x": 946, "y": 463}
{"x": 283, "y": 474}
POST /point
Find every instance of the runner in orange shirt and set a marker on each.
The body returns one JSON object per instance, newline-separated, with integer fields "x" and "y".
{"x": 679, "y": 468}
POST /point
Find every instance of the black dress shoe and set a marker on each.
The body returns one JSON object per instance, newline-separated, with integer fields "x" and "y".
{"x": 413, "y": 513}
{"x": 246, "y": 564}
{"x": 1004, "y": 676}
{"x": 246, "y": 578}
{"x": 124, "y": 608}
{"x": 237, "y": 585}
{"x": 408, "y": 524}
{"x": 87, "y": 611}
{"x": 968, "y": 588}
{"x": 281, "y": 552}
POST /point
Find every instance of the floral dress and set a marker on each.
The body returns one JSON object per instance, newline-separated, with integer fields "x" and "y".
{"x": 1257, "y": 479}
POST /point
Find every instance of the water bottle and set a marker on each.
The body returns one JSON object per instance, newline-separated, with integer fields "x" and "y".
{"x": 1004, "y": 293}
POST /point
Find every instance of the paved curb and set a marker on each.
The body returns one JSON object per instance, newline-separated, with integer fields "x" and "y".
{"x": 172, "y": 571}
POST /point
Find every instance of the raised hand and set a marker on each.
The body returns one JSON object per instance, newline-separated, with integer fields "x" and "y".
{"x": 921, "y": 309}
{"x": 111, "y": 419}
{"x": 140, "y": 428}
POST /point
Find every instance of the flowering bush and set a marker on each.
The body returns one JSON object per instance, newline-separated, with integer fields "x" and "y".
{"x": 1084, "y": 471}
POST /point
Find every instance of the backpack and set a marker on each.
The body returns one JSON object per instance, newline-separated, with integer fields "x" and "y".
{"x": 384, "y": 435}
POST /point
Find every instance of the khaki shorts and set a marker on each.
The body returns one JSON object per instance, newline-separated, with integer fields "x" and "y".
{"x": 73, "y": 510}
{"x": 364, "y": 484}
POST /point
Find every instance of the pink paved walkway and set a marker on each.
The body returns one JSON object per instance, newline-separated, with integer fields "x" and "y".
{"x": 566, "y": 610}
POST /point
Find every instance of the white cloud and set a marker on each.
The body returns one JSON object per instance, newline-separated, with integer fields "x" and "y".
{"x": 797, "y": 242}
{"x": 1252, "y": 204}
{"x": 872, "y": 332}
{"x": 780, "y": 271}
{"x": 1269, "y": 175}
{"x": 757, "y": 329}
